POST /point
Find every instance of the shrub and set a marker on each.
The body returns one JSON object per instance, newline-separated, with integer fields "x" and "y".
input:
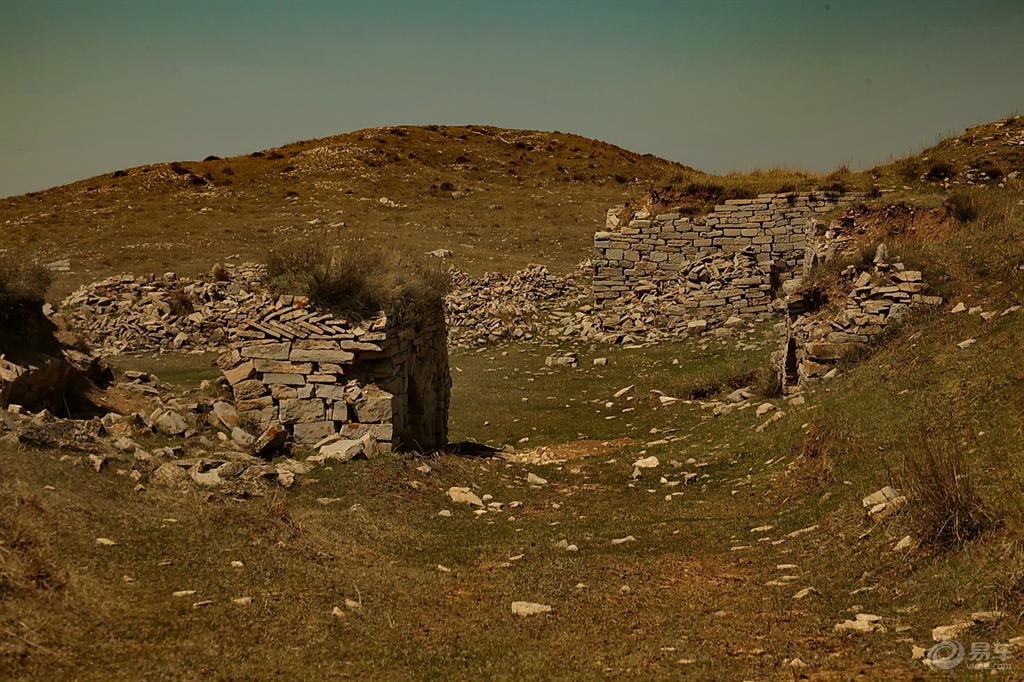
{"x": 22, "y": 284}
{"x": 939, "y": 170}
{"x": 219, "y": 273}
{"x": 358, "y": 282}
{"x": 937, "y": 481}
{"x": 963, "y": 207}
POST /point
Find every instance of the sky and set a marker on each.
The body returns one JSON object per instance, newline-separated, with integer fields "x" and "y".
{"x": 88, "y": 87}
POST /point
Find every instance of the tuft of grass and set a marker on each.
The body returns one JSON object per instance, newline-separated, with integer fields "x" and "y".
{"x": 27, "y": 561}
{"x": 939, "y": 170}
{"x": 360, "y": 281}
{"x": 182, "y": 302}
{"x": 937, "y": 478}
{"x": 219, "y": 273}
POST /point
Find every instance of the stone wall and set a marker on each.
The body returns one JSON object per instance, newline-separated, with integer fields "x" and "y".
{"x": 820, "y": 332}
{"x": 730, "y": 261}
{"x": 320, "y": 376}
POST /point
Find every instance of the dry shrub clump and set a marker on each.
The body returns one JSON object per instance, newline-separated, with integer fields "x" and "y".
{"x": 182, "y": 302}
{"x": 943, "y": 501}
{"x": 817, "y": 466}
{"x": 21, "y": 284}
{"x": 360, "y": 281}
{"x": 26, "y": 558}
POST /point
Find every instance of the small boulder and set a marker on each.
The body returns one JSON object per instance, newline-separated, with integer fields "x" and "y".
{"x": 226, "y": 414}
{"x": 171, "y": 423}
{"x": 270, "y": 441}
{"x": 170, "y": 475}
{"x": 457, "y": 494}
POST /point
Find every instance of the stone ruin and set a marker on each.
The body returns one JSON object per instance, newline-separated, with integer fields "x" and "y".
{"x": 39, "y": 369}
{"x": 818, "y": 333}
{"x": 317, "y": 375}
{"x": 684, "y": 273}
{"x": 322, "y": 377}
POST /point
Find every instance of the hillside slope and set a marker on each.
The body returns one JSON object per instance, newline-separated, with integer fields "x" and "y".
{"x": 485, "y": 193}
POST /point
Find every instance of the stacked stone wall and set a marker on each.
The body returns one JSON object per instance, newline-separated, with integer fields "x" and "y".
{"x": 742, "y": 252}
{"x": 319, "y": 376}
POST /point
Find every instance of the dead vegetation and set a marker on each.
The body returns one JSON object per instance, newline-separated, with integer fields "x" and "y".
{"x": 361, "y": 280}
{"x": 937, "y": 477}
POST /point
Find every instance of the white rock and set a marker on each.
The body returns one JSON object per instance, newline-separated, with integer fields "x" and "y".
{"x": 445, "y": 513}
{"x": 903, "y": 544}
{"x": 764, "y": 408}
{"x": 623, "y": 391}
{"x": 105, "y": 542}
{"x": 171, "y": 423}
{"x": 880, "y": 497}
{"x": 647, "y": 463}
{"x": 945, "y": 633}
{"x": 619, "y": 541}
{"x": 958, "y": 308}
{"x": 854, "y": 626}
{"x": 987, "y": 616}
{"x": 464, "y": 495}
{"x": 534, "y": 479}
{"x": 526, "y": 608}
{"x": 963, "y": 345}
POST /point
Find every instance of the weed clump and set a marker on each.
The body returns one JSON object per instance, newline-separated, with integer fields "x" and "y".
{"x": 21, "y": 284}
{"x": 963, "y": 207}
{"x": 358, "y": 282}
{"x": 939, "y": 170}
{"x": 181, "y": 302}
{"x": 22, "y": 293}
{"x": 943, "y": 501}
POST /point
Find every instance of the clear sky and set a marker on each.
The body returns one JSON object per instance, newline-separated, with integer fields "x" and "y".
{"x": 87, "y": 87}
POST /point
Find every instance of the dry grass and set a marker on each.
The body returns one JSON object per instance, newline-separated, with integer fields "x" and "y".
{"x": 182, "y": 302}
{"x": 27, "y": 559}
{"x": 362, "y": 280}
{"x": 937, "y": 480}
{"x": 21, "y": 284}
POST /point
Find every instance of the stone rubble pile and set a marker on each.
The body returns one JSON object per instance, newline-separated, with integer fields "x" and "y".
{"x": 177, "y": 441}
{"x": 529, "y": 305}
{"x": 125, "y": 313}
{"x": 817, "y": 337}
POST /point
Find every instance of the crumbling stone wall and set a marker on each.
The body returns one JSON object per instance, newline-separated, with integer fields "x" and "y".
{"x": 818, "y": 333}
{"x": 730, "y": 261}
{"x": 320, "y": 376}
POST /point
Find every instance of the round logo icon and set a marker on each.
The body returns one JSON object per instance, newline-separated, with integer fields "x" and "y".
{"x": 944, "y": 655}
